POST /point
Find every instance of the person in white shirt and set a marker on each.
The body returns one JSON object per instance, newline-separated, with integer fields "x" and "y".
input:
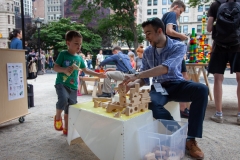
{"x": 99, "y": 58}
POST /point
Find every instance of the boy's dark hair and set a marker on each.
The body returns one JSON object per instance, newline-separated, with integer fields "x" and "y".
{"x": 14, "y": 33}
{"x": 156, "y": 23}
{"x": 179, "y": 3}
{"x": 117, "y": 48}
{"x": 71, "y": 34}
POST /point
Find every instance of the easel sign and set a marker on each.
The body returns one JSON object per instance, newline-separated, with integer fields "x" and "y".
{"x": 15, "y": 81}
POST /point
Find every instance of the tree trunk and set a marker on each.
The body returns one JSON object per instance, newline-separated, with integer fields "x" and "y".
{"x": 134, "y": 30}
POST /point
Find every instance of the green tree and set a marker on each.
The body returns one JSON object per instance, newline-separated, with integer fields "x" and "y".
{"x": 124, "y": 12}
{"x": 53, "y": 35}
{"x": 112, "y": 26}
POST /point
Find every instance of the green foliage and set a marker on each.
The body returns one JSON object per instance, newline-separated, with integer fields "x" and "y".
{"x": 53, "y": 35}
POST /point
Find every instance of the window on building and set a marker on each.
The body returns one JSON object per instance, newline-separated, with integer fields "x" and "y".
{"x": 180, "y": 29}
{"x": 207, "y": 7}
{"x": 54, "y": 8}
{"x": 154, "y": 11}
{"x": 169, "y": 2}
{"x": 9, "y": 30}
{"x": 149, "y": 12}
{"x": 185, "y": 29}
{"x": 49, "y": 17}
{"x": 54, "y": 16}
{"x": 187, "y": 10}
{"x": 9, "y": 19}
{"x": 199, "y": 18}
{"x": 185, "y": 19}
{"x": 149, "y": 2}
{"x": 164, "y": 10}
{"x": 49, "y": 9}
{"x": 199, "y": 28}
{"x": 180, "y": 19}
{"x": 164, "y": 2}
{"x": 147, "y": 43}
{"x": 8, "y": 9}
{"x": 155, "y": 2}
{"x": 12, "y": 7}
{"x": 13, "y": 19}
{"x": 200, "y": 8}
{"x": 57, "y": 8}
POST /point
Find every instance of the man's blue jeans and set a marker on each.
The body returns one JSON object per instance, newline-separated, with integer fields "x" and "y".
{"x": 182, "y": 91}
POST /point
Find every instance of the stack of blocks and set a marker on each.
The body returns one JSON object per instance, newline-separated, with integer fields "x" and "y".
{"x": 137, "y": 102}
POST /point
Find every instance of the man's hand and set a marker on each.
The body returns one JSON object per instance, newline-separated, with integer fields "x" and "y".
{"x": 184, "y": 37}
{"x": 127, "y": 86}
{"x": 68, "y": 71}
{"x": 129, "y": 78}
{"x": 102, "y": 75}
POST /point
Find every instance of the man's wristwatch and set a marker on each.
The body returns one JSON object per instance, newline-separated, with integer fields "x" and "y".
{"x": 137, "y": 75}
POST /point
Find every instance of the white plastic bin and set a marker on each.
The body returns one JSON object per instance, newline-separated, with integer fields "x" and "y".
{"x": 163, "y": 139}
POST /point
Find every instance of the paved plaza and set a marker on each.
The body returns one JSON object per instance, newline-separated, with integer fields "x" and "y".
{"x": 36, "y": 138}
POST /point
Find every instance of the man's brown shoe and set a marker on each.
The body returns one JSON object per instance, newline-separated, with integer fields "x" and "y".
{"x": 193, "y": 149}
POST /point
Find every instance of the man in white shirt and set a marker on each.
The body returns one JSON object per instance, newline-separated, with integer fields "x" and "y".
{"x": 99, "y": 58}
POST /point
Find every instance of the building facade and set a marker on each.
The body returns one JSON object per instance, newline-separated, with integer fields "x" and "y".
{"x": 7, "y": 21}
{"x": 53, "y": 10}
{"x": 39, "y": 9}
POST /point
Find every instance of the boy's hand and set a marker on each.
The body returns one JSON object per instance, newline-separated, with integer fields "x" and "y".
{"x": 102, "y": 75}
{"x": 68, "y": 71}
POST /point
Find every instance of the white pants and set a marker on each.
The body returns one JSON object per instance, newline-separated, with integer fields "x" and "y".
{"x": 115, "y": 75}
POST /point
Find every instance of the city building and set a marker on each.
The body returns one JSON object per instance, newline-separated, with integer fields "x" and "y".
{"x": 28, "y": 8}
{"x": 53, "y": 10}
{"x": 39, "y": 9}
{"x": 7, "y": 21}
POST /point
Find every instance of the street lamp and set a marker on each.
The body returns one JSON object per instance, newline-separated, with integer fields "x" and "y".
{"x": 38, "y": 24}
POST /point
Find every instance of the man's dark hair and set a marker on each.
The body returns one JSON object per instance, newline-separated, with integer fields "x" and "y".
{"x": 179, "y": 3}
{"x": 71, "y": 34}
{"x": 117, "y": 48}
{"x": 156, "y": 24}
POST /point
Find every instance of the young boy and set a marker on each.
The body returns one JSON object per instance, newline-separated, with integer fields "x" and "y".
{"x": 67, "y": 78}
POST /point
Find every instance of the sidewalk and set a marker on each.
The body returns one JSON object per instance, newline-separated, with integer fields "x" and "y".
{"x": 36, "y": 138}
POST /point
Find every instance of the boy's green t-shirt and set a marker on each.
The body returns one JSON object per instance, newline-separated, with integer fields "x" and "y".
{"x": 65, "y": 59}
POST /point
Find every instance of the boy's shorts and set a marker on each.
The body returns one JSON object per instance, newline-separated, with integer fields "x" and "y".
{"x": 66, "y": 97}
{"x": 218, "y": 62}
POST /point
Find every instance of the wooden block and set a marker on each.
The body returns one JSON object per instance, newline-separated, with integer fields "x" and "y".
{"x": 137, "y": 86}
{"x": 97, "y": 104}
{"x": 159, "y": 153}
{"x": 102, "y": 99}
{"x": 75, "y": 67}
{"x": 122, "y": 89}
{"x": 117, "y": 115}
{"x": 105, "y": 104}
{"x": 113, "y": 107}
{"x": 145, "y": 93}
{"x": 149, "y": 156}
{"x": 131, "y": 110}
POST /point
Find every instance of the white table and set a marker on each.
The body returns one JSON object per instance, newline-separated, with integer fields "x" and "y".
{"x": 108, "y": 137}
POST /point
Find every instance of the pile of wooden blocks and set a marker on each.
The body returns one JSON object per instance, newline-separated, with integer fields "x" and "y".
{"x": 138, "y": 101}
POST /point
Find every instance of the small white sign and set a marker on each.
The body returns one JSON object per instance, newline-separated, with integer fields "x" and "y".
{"x": 15, "y": 81}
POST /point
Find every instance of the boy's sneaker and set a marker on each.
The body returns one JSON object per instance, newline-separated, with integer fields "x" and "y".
{"x": 238, "y": 119}
{"x": 58, "y": 124}
{"x": 216, "y": 118}
{"x": 65, "y": 131}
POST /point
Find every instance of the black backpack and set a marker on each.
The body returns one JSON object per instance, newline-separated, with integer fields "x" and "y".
{"x": 226, "y": 29}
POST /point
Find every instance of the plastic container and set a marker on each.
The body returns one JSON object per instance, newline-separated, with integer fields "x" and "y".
{"x": 163, "y": 139}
